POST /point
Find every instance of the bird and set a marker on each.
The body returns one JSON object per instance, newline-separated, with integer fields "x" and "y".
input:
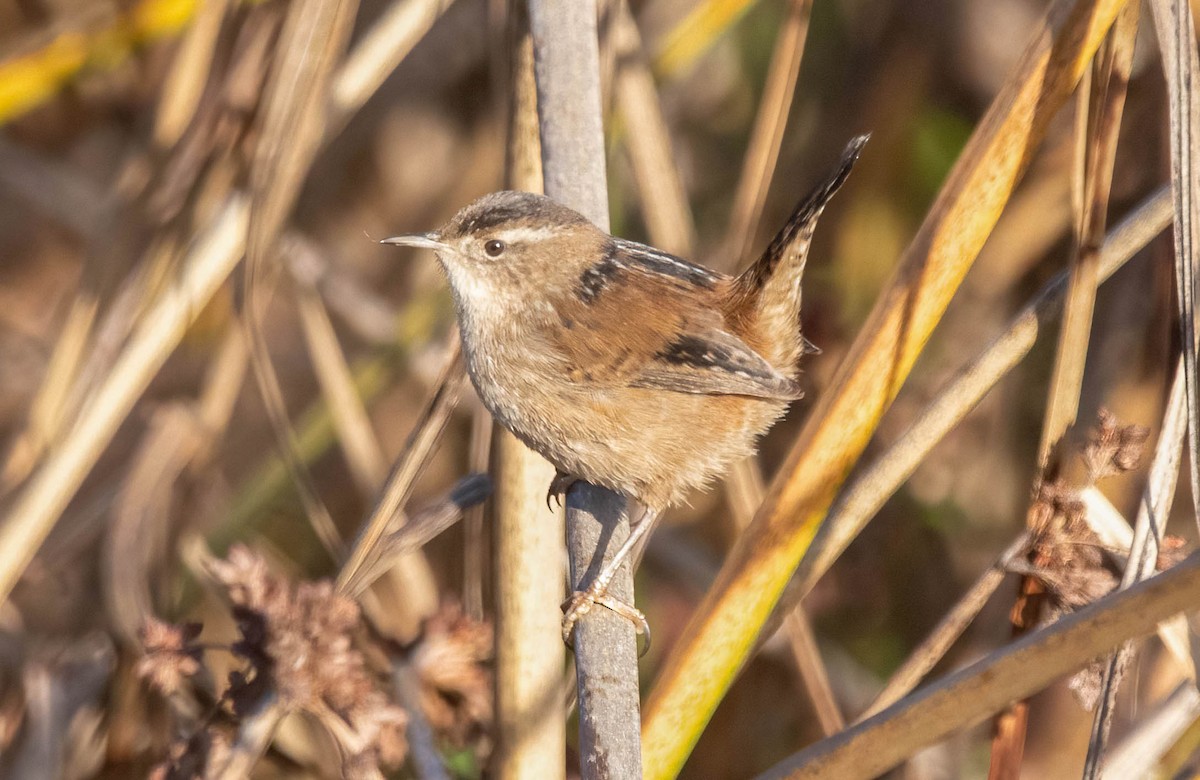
{"x": 621, "y": 364}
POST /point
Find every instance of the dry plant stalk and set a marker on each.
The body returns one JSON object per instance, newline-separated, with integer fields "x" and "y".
{"x": 531, "y": 721}
{"x": 722, "y": 634}
{"x": 380, "y": 50}
{"x": 128, "y": 264}
{"x": 1101, "y": 100}
{"x": 362, "y": 449}
{"x": 766, "y": 138}
{"x": 366, "y": 559}
{"x": 313, "y": 38}
{"x": 966, "y": 697}
{"x": 927, "y": 655}
{"x": 184, "y": 85}
{"x": 744, "y": 485}
{"x": 874, "y": 482}
{"x": 696, "y": 33}
{"x": 298, "y": 122}
{"x": 1176, "y": 32}
{"x": 648, "y": 141}
{"x": 152, "y": 341}
{"x": 413, "y": 586}
{"x": 1144, "y": 554}
{"x": 212, "y": 258}
{"x": 311, "y": 42}
{"x": 931, "y": 651}
{"x": 1155, "y": 733}
{"x": 52, "y": 486}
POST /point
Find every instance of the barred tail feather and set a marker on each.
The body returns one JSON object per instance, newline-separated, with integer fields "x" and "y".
{"x": 803, "y": 221}
{"x": 770, "y": 288}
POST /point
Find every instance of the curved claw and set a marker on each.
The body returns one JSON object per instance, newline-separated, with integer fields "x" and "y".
{"x": 581, "y": 602}
{"x": 633, "y": 615}
{"x": 558, "y": 488}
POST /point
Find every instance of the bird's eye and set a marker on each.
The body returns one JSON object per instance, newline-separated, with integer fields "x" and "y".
{"x": 494, "y": 248}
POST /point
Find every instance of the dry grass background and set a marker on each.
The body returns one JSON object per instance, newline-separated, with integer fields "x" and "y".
{"x": 142, "y": 475}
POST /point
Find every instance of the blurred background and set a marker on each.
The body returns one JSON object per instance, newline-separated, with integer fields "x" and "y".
{"x": 100, "y": 194}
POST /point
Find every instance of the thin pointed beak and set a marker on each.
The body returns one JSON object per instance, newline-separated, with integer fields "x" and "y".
{"x": 421, "y": 240}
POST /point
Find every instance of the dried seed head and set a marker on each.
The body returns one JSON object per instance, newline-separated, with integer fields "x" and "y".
{"x": 1113, "y": 448}
{"x": 171, "y": 655}
{"x": 299, "y": 639}
{"x": 451, "y": 659}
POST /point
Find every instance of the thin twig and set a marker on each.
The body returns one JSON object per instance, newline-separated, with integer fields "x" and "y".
{"x": 1148, "y": 532}
{"x": 254, "y": 734}
{"x": 470, "y": 491}
{"x": 1156, "y": 731}
{"x": 1176, "y": 33}
{"x": 663, "y": 198}
{"x": 361, "y": 567}
{"x": 422, "y": 742}
{"x": 766, "y": 139}
{"x": 805, "y": 653}
{"x": 922, "y": 660}
{"x": 1116, "y": 534}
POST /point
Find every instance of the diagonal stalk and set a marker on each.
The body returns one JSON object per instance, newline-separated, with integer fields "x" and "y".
{"x": 723, "y": 632}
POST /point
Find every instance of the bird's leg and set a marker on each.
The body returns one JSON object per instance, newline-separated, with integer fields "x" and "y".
{"x": 581, "y": 601}
{"x": 559, "y": 486}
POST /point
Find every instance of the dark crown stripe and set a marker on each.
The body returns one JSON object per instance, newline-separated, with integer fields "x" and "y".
{"x": 513, "y": 209}
{"x": 498, "y": 216}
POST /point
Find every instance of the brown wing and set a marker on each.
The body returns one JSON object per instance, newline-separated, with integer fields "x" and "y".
{"x": 714, "y": 362}
{"x": 642, "y": 318}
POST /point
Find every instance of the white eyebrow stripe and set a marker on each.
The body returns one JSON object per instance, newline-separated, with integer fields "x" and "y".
{"x": 518, "y": 235}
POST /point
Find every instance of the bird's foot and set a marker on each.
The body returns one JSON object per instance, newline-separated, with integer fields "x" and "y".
{"x": 558, "y": 488}
{"x": 581, "y": 602}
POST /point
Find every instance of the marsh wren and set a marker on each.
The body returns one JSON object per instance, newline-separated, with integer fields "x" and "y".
{"x": 623, "y": 365}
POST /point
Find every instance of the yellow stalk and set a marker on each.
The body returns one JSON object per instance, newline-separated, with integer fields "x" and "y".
{"x": 725, "y": 628}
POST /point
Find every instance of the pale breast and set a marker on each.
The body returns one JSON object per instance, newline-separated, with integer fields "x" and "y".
{"x": 653, "y": 445}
